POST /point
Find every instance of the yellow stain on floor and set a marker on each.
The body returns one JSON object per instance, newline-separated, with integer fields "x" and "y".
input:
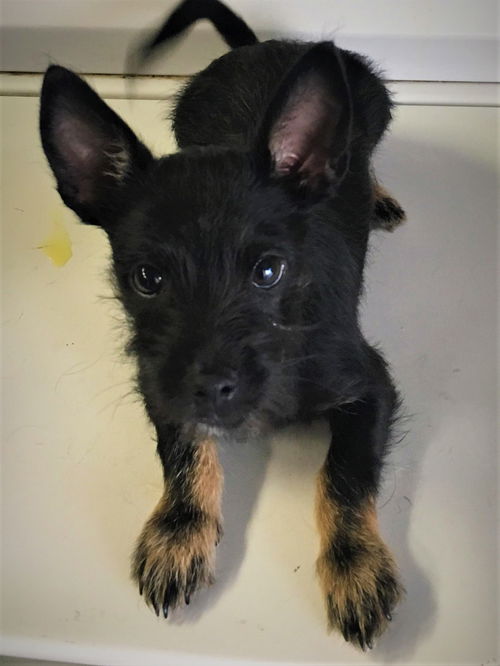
{"x": 57, "y": 245}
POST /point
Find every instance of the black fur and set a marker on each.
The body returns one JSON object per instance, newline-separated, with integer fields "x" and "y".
{"x": 232, "y": 29}
{"x": 274, "y": 166}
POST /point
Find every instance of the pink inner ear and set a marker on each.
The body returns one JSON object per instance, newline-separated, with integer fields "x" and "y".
{"x": 302, "y": 137}
{"x": 79, "y": 144}
{"x": 89, "y": 156}
{"x": 80, "y": 149}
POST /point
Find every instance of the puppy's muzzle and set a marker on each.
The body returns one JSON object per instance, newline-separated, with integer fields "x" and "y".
{"x": 215, "y": 397}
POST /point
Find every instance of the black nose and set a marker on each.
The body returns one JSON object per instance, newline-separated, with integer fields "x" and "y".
{"x": 215, "y": 390}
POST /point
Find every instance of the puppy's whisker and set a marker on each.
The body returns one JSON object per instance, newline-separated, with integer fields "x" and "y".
{"x": 112, "y": 387}
{"x": 120, "y": 401}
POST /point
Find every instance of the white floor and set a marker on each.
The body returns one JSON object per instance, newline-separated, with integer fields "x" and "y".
{"x": 79, "y": 469}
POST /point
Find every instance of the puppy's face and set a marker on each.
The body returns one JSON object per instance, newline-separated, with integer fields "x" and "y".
{"x": 209, "y": 266}
{"x": 208, "y": 244}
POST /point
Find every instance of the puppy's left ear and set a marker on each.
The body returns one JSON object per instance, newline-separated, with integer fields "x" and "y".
{"x": 94, "y": 155}
{"x": 306, "y": 133}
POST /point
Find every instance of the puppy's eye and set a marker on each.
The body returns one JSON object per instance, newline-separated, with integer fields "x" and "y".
{"x": 268, "y": 271}
{"x": 146, "y": 280}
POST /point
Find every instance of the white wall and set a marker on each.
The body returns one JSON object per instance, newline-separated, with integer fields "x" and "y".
{"x": 434, "y": 40}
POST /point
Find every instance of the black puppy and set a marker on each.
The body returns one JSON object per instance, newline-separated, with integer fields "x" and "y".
{"x": 239, "y": 261}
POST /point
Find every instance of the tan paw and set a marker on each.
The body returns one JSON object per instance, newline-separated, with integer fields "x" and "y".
{"x": 175, "y": 556}
{"x": 361, "y": 587}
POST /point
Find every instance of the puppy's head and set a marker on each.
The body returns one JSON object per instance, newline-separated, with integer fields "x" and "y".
{"x": 209, "y": 245}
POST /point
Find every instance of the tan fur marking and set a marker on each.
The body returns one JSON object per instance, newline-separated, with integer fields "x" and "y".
{"x": 370, "y": 515}
{"x": 379, "y": 191}
{"x": 169, "y": 558}
{"x": 207, "y": 479}
{"x": 368, "y": 587}
{"x": 164, "y": 556}
{"x": 395, "y": 214}
{"x": 327, "y": 512}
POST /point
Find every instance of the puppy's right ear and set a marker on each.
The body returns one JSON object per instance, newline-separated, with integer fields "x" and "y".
{"x": 306, "y": 134}
{"x": 92, "y": 152}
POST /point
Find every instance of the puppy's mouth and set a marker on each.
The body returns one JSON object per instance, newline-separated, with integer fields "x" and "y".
{"x": 216, "y": 428}
{"x": 220, "y": 423}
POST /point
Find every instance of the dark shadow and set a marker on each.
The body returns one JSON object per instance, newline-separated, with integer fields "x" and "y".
{"x": 422, "y": 342}
{"x": 415, "y": 616}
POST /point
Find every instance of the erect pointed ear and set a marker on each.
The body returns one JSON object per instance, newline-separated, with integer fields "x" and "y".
{"x": 92, "y": 152}
{"x": 306, "y": 133}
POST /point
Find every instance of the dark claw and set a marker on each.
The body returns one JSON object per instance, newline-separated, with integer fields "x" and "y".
{"x": 388, "y": 616}
{"x": 165, "y": 610}
{"x": 140, "y": 576}
{"x": 371, "y": 624}
{"x": 187, "y": 598}
{"x": 155, "y": 606}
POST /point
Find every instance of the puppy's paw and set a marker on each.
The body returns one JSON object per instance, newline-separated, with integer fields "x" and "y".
{"x": 174, "y": 558}
{"x": 361, "y": 588}
{"x": 387, "y": 213}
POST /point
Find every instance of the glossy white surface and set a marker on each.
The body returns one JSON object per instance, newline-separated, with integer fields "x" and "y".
{"x": 79, "y": 470}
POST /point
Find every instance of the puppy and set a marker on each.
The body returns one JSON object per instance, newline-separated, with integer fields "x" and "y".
{"x": 239, "y": 261}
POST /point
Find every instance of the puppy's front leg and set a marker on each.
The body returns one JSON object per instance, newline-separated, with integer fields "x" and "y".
{"x": 175, "y": 553}
{"x": 356, "y": 570}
